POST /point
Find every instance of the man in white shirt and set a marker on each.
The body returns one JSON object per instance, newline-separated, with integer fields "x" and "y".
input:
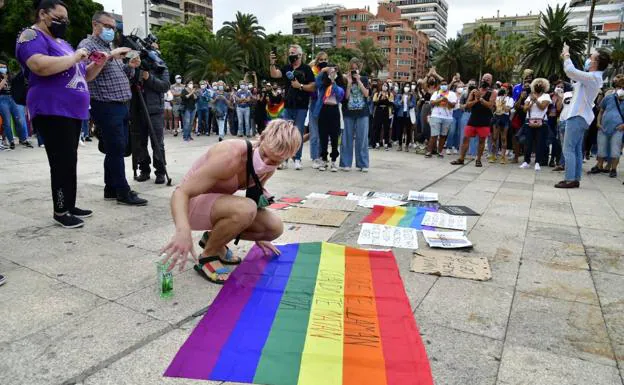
{"x": 580, "y": 114}
{"x": 443, "y": 102}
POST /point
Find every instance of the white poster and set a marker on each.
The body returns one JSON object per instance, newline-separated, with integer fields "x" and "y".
{"x": 370, "y": 203}
{"x": 446, "y": 240}
{"x": 422, "y": 196}
{"x": 388, "y": 236}
{"x": 376, "y": 194}
{"x": 445, "y": 221}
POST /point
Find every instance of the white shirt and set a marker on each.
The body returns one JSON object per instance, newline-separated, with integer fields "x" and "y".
{"x": 586, "y": 88}
{"x": 567, "y": 102}
{"x": 441, "y": 111}
{"x": 535, "y": 112}
{"x": 507, "y": 102}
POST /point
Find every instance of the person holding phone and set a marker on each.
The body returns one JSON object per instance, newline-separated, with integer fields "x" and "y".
{"x": 189, "y": 97}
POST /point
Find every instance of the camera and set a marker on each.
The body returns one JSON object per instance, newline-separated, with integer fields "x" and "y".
{"x": 150, "y": 58}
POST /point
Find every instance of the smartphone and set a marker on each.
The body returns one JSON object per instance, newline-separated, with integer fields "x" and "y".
{"x": 132, "y": 54}
{"x": 274, "y": 50}
{"x": 97, "y": 56}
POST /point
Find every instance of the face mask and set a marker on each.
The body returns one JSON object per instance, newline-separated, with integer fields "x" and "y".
{"x": 413, "y": 87}
{"x": 587, "y": 65}
{"x": 390, "y": 84}
{"x": 443, "y": 88}
{"x": 220, "y": 88}
{"x": 558, "y": 90}
{"x": 258, "y": 164}
{"x": 396, "y": 89}
{"x": 620, "y": 93}
{"x": 322, "y": 65}
{"x": 202, "y": 86}
{"x": 3, "y": 70}
{"x": 107, "y": 35}
{"x": 406, "y": 89}
{"x": 279, "y": 92}
{"x": 460, "y": 90}
{"x": 58, "y": 29}
{"x": 179, "y": 81}
{"x": 485, "y": 85}
{"x": 384, "y": 88}
{"x": 293, "y": 58}
{"x": 244, "y": 87}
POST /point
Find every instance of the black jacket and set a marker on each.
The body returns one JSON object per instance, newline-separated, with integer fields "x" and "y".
{"x": 154, "y": 89}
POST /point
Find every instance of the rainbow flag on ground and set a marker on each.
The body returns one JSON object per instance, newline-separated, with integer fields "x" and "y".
{"x": 399, "y": 216}
{"x": 319, "y": 314}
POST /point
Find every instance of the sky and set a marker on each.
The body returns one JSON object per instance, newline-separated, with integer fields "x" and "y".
{"x": 460, "y": 11}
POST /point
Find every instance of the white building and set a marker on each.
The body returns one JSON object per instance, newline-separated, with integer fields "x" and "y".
{"x": 607, "y": 20}
{"x": 327, "y": 39}
{"x": 429, "y": 16}
{"x": 162, "y": 12}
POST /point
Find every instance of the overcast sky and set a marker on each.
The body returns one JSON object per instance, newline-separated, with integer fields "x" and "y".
{"x": 276, "y": 15}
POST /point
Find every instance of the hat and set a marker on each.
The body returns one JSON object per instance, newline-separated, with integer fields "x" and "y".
{"x": 178, "y": 76}
{"x": 527, "y": 72}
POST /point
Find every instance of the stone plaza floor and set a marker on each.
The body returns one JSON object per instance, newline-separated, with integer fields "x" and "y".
{"x": 79, "y": 306}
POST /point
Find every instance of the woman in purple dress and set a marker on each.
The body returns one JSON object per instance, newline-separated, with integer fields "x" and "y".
{"x": 58, "y": 100}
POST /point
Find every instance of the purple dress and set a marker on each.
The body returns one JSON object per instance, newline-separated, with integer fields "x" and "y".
{"x": 63, "y": 94}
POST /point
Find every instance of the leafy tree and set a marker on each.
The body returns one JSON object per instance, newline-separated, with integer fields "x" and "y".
{"x": 505, "y": 55}
{"x": 482, "y": 41}
{"x": 544, "y": 49}
{"x": 617, "y": 56}
{"x": 216, "y": 58}
{"x": 372, "y": 57}
{"x": 282, "y": 42}
{"x": 19, "y": 14}
{"x": 316, "y": 25}
{"x": 456, "y": 55}
{"x": 249, "y": 37}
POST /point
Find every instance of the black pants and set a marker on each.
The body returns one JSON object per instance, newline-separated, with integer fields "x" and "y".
{"x": 140, "y": 135}
{"x": 381, "y": 123}
{"x": 402, "y": 125}
{"x": 329, "y": 128}
{"x": 61, "y": 135}
{"x": 540, "y": 136}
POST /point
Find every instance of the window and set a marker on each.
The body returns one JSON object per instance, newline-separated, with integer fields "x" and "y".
{"x": 344, "y": 29}
{"x": 343, "y": 41}
{"x": 344, "y": 18}
{"x": 383, "y": 38}
{"x": 401, "y": 74}
{"x": 363, "y": 28}
{"x": 402, "y": 38}
{"x": 352, "y": 28}
{"x": 402, "y": 62}
{"x": 352, "y": 40}
{"x": 597, "y": 28}
{"x": 403, "y": 50}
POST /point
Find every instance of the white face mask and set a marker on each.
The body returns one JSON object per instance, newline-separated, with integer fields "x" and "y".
{"x": 396, "y": 89}
{"x": 406, "y": 89}
{"x": 413, "y": 87}
{"x": 558, "y": 90}
{"x": 460, "y": 90}
{"x": 203, "y": 86}
{"x": 620, "y": 93}
{"x": 179, "y": 81}
{"x": 384, "y": 88}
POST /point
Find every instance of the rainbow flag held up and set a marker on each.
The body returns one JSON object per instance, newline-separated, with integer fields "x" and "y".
{"x": 399, "y": 216}
{"x": 275, "y": 111}
{"x": 319, "y": 313}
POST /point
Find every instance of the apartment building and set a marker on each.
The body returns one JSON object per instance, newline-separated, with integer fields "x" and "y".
{"x": 327, "y": 39}
{"x": 607, "y": 22}
{"x": 201, "y": 8}
{"x": 162, "y": 12}
{"x": 506, "y": 25}
{"x": 429, "y": 16}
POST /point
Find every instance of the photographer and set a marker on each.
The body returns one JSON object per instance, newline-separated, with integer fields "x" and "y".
{"x": 110, "y": 94}
{"x": 153, "y": 83}
{"x": 299, "y": 80}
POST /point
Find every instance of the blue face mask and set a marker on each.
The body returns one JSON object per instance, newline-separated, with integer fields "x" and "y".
{"x": 108, "y": 34}
{"x": 587, "y": 65}
{"x": 443, "y": 88}
{"x": 3, "y": 71}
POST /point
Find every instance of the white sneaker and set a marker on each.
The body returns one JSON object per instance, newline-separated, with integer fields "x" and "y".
{"x": 524, "y": 165}
{"x": 283, "y": 166}
{"x": 333, "y": 167}
{"x": 345, "y": 169}
{"x": 386, "y": 147}
{"x": 448, "y": 151}
{"x": 41, "y": 146}
{"x": 82, "y": 142}
{"x": 537, "y": 167}
{"x": 315, "y": 164}
{"x": 322, "y": 166}
{"x": 455, "y": 152}
{"x": 364, "y": 169}
{"x": 298, "y": 165}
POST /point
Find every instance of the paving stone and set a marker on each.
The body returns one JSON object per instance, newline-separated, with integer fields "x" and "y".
{"x": 556, "y": 281}
{"x": 605, "y": 250}
{"x": 566, "y": 328}
{"x": 559, "y": 253}
{"x": 611, "y": 295}
{"x": 600, "y": 222}
{"x": 551, "y": 232}
{"x": 467, "y": 306}
{"x": 521, "y": 365}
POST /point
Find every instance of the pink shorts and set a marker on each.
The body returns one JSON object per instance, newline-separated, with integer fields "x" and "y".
{"x": 200, "y": 210}
{"x": 482, "y": 132}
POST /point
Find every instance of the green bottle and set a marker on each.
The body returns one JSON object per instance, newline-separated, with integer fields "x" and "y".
{"x": 164, "y": 279}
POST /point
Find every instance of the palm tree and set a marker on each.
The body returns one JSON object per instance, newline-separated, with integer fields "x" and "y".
{"x": 482, "y": 40}
{"x": 455, "y": 55}
{"x": 544, "y": 49}
{"x": 617, "y": 56}
{"x": 216, "y": 58}
{"x": 373, "y": 59}
{"x": 316, "y": 25}
{"x": 247, "y": 35}
{"x": 505, "y": 55}
{"x": 590, "y": 26}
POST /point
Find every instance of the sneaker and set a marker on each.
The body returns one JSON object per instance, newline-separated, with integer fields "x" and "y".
{"x": 503, "y": 160}
{"x": 283, "y": 166}
{"x": 386, "y": 147}
{"x": 298, "y": 165}
{"x": 2, "y": 279}
{"x": 82, "y": 143}
{"x": 537, "y": 167}
{"x": 68, "y": 221}
{"x": 448, "y": 151}
{"x": 322, "y": 166}
{"x": 2, "y": 147}
{"x": 455, "y": 151}
{"x": 80, "y": 213}
{"x": 12, "y": 146}
{"x": 41, "y": 146}
{"x": 613, "y": 174}
{"x": 399, "y": 148}
{"x": 315, "y": 164}
{"x": 109, "y": 194}
{"x": 345, "y": 169}
{"x": 365, "y": 170}
{"x": 524, "y": 165}
{"x": 26, "y": 143}
{"x": 428, "y": 155}
{"x": 131, "y": 198}
{"x": 88, "y": 139}
{"x": 160, "y": 179}
{"x": 142, "y": 177}
{"x": 333, "y": 167}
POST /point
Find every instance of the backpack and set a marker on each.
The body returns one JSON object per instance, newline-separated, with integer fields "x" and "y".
{"x": 19, "y": 88}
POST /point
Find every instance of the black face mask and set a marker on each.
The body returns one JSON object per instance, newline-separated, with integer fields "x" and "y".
{"x": 539, "y": 89}
{"x": 58, "y": 29}
{"x": 293, "y": 58}
{"x": 485, "y": 85}
{"x": 321, "y": 65}
{"x": 501, "y": 92}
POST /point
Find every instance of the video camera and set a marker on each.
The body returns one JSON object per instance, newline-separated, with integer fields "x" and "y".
{"x": 150, "y": 57}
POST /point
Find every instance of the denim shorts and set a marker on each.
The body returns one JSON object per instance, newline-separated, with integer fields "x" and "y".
{"x": 439, "y": 126}
{"x": 609, "y": 144}
{"x": 501, "y": 121}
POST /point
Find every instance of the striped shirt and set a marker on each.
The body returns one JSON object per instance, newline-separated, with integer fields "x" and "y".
{"x": 113, "y": 83}
{"x": 586, "y": 87}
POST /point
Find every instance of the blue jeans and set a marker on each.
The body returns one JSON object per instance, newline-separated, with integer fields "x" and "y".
{"x": 8, "y": 109}
{"x": 609, "y": 144}
{"x": 189, "y": 119}
{"x": 562, "y": 125}
{"x": 452, "y": 141}
{"x": 573, "y": 147}
{"x": 298, "y": 116}
{"x": 84, "y": 130}
{"x": 221, "y": 126}
{"x": 203, "y": 121}
{"x": 244, "y": 123}
{"x": 112, "y": 120}
{"x": 315, "y": 144}
{"x": 357, "y": 126}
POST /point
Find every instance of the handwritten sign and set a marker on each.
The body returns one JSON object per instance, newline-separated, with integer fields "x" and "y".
{"x": 477, "y": 269}
{"x": 460, "y": 210}
{"x": 425, "y": 205}
{"x": 445, "y": 221}
{"x": 372, "y": 202}
{"x": 388, "y": 236}
{"x": 422, "y": 196}
{"x": 376, "y": 194}
{"x": 446, "y": 240}
{"x": 321, "y": 217}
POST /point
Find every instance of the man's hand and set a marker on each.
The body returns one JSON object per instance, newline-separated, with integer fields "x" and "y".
{"x": 295, "y": 83}
{"x": 120, "y": 53}
{"x": 80, "y": 55}
{"x": 565, "y": 52}
{"x": 620, "y": 127}
{"x": 177, "y": 251}
{"x": 268, "y": 248}
{"x": 135, "y": 62}
{"x": 146, "y": 75}
{"x": 272, "y": 58}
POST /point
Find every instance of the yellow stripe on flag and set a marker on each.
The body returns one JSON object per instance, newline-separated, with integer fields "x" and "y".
{"x": 321, "y": 362}
{"x": 396, "y": 217}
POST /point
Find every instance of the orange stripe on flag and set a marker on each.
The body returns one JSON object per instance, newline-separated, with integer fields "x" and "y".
{"x": 385, "y": 216}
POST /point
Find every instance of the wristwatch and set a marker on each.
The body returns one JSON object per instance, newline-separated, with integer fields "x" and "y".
{"x": 301, "y": 87}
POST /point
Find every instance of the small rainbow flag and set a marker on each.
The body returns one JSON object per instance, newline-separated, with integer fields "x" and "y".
{"x": 319, "y": 314}
{"x": 275, "y": 111}
{"x": 399, "y": 216}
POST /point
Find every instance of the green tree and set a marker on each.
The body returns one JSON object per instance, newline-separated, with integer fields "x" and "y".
{"x": 216, "y": 58}
{"x": 456, "y": 55}
{"x": 282, "y": 42}
{"x": 544, "y": 49}
{"x": 372, "y": 57}
{"x": 18, "y": 14}
{"x": 505, "y": 55}
{"x": 316, "y": 25}
{"x": 248, "y": 37}
{"x": 617, "y": 56}
{"x": 176, "y": 39}
{"x": 482, "y": 38}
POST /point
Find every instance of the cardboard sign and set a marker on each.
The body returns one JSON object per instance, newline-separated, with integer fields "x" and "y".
{"x": 460, "y": 210}
{"x": 388, "y": 236}
{"x": 477, "y": 269}
{"x": 291, "y": 200}
{"x": 447, "y": 240}
{"x": 376, "y": 194}
{"x": 321, "y": 217}
{"x": 279, "y": 206}
{"x": 331, "y": 203}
